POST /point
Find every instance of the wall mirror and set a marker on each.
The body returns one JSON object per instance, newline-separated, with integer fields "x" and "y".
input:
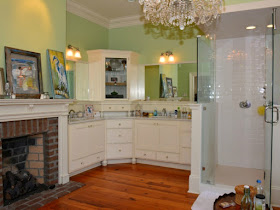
{"x": 171, "y": 82}
{"x": 78, "y": 79}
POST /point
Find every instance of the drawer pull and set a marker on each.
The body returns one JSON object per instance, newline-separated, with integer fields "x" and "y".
{"x": 166, "y": 157}
{"x": 109, "y": 107}
{"x": 90, "y": 126}
{"x": 145, "y": 154}
{"x": 120, "y": 135}
{"x": 120, "y": 124}
{"x": 122, "y": 107}
{"x": 98, "y": 157}
{"x": 120, "y": 150}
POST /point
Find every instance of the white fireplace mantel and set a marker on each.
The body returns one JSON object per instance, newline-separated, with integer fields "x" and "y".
{"x": 26, "y": 109}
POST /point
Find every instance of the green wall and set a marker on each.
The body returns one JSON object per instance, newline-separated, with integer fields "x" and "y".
{"x": 183, "y": 78}
{"x": 152, "y": 82}
{"x": 85, "y": 35}
{"x": 33, "y": 25}
{"x": 150, "y": 41}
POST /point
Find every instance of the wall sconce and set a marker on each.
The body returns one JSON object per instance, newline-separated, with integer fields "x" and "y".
{"x": 168, "y": 54}
{"x": 70, "y": 52}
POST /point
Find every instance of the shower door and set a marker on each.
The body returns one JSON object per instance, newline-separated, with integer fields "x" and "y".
{"x": 271, "y": 116}
{"x": 206, "y": 97}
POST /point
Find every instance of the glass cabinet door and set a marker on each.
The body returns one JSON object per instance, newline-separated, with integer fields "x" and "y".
{"x": 115, "y": 78}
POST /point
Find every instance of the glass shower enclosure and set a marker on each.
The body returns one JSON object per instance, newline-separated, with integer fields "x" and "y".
{"x": 238, "y": 88}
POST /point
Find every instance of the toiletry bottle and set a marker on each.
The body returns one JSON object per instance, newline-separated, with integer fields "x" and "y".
{"x": 155, "y": 112}
{"x": 258, "y": 189}
{"x": 189, "y": 114}
{"x": 179, "y": 113}
{"x": 176, "y": 113}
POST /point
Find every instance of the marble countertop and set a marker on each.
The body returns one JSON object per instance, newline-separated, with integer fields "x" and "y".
{"x": 84, "y": 120}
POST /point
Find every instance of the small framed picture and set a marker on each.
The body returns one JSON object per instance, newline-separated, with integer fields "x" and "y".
{"x": 175, "y": 94}
{"x": 89, "y": 110}
{"x": 169, "y": 87}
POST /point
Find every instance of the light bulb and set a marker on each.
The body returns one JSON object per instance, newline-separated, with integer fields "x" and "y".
{"x": 70, "y": 53}
{"x": 162, "y": 59}
{"x": 78, "y": 54}
{"x": 171, "y": 58}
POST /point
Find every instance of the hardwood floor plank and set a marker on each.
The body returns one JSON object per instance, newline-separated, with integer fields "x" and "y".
{"x": 127, "y": 186}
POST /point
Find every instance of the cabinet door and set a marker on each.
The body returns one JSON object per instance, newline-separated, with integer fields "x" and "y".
{"x": 185, "y": 134}
{"x": 146, "y": 135}
{"x": 168, "y": 136}
{"x": 78, "y": 141}
{"x": 97, "y": 138}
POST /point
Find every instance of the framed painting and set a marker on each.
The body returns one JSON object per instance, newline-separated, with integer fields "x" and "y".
{"x": 57, "y": 70}
{"x": 169, "y": 87}
{"x": 2, "y": 82}
{"x": 24, "y": 75}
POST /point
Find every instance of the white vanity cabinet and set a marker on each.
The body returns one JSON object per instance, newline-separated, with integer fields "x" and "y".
{"x": 119, "y": 139}
{"x": 86, "y": 144}
{"x": 160, "y": 140}
{"x": 113, "y": 71}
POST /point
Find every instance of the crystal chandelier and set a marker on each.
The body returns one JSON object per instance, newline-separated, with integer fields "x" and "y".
{"x": 181, "y": 12}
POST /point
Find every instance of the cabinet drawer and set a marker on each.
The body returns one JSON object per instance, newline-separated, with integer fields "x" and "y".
{"x": 115, "y": 108}
{"x": 119, "y": 135}
{"x": 87, "y": 161}
{"x": 115, "y": 151}
{"x": 167, "y": 157}
{"x": 145, "y": 154}
{"x": 119, "y": 124}
{"x": 185, "y": 155}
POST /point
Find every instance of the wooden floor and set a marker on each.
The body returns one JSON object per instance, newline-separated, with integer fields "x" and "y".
{"x": 127, "y": 186}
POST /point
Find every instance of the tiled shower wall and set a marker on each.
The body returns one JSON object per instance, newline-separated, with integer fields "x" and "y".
{"x": 240, "y": 76}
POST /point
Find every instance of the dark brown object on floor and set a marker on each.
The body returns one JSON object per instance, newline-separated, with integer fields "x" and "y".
{"x": 127, "y": 186}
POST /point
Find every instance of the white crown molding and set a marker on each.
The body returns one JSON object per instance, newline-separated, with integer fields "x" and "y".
{"x": 127, "y": 21}
{"x": 252, "y": 6}
{"x": 83, "y": 12}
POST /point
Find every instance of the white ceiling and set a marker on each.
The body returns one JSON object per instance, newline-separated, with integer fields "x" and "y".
{"x": 120, "y": 13}
{"x": 112, "y": 9}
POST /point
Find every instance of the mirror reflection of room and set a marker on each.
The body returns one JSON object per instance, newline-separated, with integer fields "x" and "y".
{"x": 171, "y": 81}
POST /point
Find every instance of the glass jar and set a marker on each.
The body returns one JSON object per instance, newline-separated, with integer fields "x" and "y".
{"x": 260, "y": 202}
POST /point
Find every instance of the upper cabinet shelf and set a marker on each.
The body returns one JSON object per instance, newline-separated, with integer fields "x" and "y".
{"x": 113, "y": 74}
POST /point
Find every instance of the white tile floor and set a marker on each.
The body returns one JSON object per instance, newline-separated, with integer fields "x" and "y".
{"x": 232, "y": 176}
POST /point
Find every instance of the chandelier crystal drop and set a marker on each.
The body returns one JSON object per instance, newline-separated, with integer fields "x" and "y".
{"x": 180, "y": 13}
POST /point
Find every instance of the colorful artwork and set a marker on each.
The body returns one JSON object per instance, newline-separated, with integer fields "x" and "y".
{"x": 89, "y": 110}
{"x": 58, "y": 74}
{"x": 24, "y": 75}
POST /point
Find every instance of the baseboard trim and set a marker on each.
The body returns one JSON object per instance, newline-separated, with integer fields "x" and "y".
{"x": 84, "y": 169}
{"x": 163, "y": 164}
{"x": 119, "y": 161}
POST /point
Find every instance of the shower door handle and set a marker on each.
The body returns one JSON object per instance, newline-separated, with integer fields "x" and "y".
{"x": 277, "y": 114}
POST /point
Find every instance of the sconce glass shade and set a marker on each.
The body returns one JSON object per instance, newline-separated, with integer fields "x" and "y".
{"x": 70, "y": 53}
{"x": 78, "y": 54}
{"x": 171, "y": 58}
{"x": 162, "y": 59}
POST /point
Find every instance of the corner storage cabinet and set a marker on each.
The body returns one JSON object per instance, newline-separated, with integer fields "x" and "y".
{"x": 112, "y": 74}
{"x": 119, "y": 139}
{"x": 86, "y": 144}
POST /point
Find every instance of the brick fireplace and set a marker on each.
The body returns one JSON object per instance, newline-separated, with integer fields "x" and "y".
{"x": 45, "y": 125}
{"x": 40, "y": 138}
